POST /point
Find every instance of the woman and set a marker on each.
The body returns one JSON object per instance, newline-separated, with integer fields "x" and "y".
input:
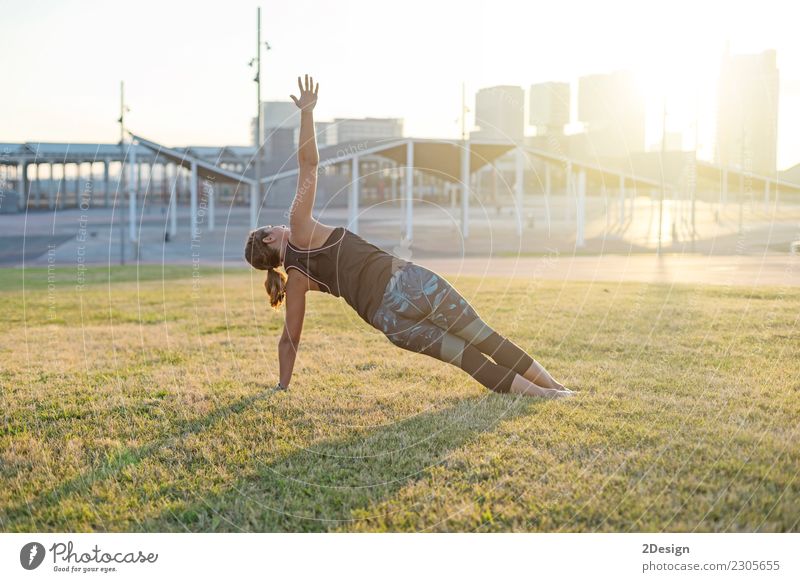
{"x": 415, "y": 308}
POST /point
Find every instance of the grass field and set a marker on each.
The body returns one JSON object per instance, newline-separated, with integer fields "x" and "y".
{"x": 141, "y": 402}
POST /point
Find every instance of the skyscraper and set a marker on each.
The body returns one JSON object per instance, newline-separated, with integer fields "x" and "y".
{"x": 613, "y": 110}
{"x": 274, "y": 115}
{"x": 500, "y": 113}
{"x": 366, "y": 129}
{"x": 549, "y": 107}
{"x": 747, "y": 112}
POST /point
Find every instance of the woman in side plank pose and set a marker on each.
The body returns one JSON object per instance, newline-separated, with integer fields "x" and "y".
{"x": 414, "y": 307}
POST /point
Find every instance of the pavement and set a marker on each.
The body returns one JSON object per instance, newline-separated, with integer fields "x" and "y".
{"x": 738, "y": 246}
{"x": 740, "y": 271}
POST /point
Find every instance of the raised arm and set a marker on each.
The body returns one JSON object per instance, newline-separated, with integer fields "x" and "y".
{"x": 300, "y": 218}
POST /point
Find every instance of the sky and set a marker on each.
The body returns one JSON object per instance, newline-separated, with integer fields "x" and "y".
{"x": 187, "y": 81}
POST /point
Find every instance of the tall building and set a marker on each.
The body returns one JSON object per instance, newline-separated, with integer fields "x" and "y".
{"x": 613, "y": 111}
{"x": 274, "y": 115}
{"x": 344, "y": 130}
{"x": 500, "y": 113}
{"x": 747, "y": 112}
{"x": 549, "y": 108}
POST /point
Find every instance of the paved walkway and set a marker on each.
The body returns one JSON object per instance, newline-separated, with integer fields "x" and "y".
{"x": 747, "y": 271}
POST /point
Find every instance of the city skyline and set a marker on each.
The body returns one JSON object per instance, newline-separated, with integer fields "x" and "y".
{"x": 197, "y": 69}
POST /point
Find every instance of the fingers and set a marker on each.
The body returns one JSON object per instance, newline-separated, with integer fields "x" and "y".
{"x": 306, "y": 85}
{"x": 296, "y": 102}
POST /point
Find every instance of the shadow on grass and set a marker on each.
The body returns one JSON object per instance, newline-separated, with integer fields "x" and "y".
{"x": 317, "y": 489}
{"x": 22, "y": 515}
{"x": 314, "y": 489}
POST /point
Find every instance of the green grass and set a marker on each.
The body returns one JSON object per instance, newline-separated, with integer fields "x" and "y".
{"x": 143, "y": 404}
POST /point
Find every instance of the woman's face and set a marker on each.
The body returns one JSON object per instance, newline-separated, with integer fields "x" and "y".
{"x": 274, "y": 235}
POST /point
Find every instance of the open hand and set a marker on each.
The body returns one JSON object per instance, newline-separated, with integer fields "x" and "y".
{"x": 308, "y": 94}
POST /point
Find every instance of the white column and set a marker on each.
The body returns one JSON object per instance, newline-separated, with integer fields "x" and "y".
{"x": 212, "y": 195}
{"x": 352, "y": 199}
{"x": 581, "y": 210}
{"x": 568, "y": 180}
{"x": 22, "y": 170}
{"x": 255, "y": 202}
{"x": 621, "y": 200}
{"x": 35, "y": 186}
{"x": 165, "y": 189}
{"x": 465, "y": 173}
{"x": 409, "y": 193}
{"x": 51, "y": 201}
{"x": 139, "y": 177}
{"x": 548, "y": 190}
{"x": 148, "y": 188}
{"x": 133, "y": 184}
{"x": 193, "y": 202}
{"x": 77, "y": 184}
{"x": 724, "y": 195}
{"x": 173, "y": 204}
{"x": 106, "y": 183}
{"x": 519, "y": 185}
{"x": 61, "y": 187}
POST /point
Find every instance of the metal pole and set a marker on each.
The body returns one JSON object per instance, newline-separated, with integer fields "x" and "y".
{"x": 741, "y": 165}
{"x": 255, "y": 191}
{"x": 121, "y": 177}
{"x": 465, "y": 155}
{"x": 465, "y": 173}
{"x": 132, "y": 187}
{"x": 663, "y": 146}
{"x": 352, "y": 203}
{"x": 409, "y": 194}
{"x": 519, "y": 186}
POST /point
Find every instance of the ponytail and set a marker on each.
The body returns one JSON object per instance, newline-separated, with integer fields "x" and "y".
{"x": 275, "y": 284}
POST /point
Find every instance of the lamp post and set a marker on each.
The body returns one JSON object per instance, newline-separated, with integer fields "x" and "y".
{"x": 663, "y": 147}
{"x": 255, "y": 192}
{"x": 121, "y": 183}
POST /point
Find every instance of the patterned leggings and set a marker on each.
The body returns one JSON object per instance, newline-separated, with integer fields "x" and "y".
{"x": 421, "y": 312}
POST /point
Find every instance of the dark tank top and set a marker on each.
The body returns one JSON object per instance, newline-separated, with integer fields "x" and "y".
{"x": 347, "y": 266}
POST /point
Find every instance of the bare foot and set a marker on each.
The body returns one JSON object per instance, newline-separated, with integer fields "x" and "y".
{"x": 524, "y": 386}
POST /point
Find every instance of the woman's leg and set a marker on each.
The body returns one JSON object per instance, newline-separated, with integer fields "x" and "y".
{"x": 426, "y": 338}
{"x": 430, "y": 294}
